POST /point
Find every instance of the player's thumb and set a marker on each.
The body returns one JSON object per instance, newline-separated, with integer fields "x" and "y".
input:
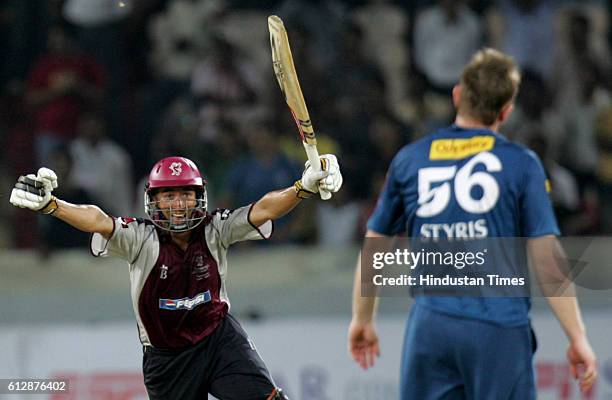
{"x": 590, "y": 369}
{"x": 318, "y": 175}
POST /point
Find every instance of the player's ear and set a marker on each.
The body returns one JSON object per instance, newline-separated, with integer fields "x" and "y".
{"x": 456, "y": 95}
{"x": 505, "y": 112}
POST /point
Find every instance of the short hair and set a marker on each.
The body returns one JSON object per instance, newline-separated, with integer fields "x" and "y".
{"x": 488, "y": 82}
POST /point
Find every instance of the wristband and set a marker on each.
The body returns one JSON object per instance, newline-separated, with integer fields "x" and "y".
{"x": 50, "y": 207}
{"x": 300, "y": 192}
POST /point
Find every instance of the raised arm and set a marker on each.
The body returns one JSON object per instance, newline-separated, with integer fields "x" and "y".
{"x": 87, "y": 218}
{"x": 275, "y": 204}
{"x": 35, "y": 193}
{"x": 548, "y": 257}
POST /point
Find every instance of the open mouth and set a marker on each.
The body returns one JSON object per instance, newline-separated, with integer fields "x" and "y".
{"x": 179, "y": 217}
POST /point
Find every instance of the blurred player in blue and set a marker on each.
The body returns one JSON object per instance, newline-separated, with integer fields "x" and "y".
{"x": 467, "y": 181}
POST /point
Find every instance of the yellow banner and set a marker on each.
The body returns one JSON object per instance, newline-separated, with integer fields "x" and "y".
{"x": 456, "y": 149}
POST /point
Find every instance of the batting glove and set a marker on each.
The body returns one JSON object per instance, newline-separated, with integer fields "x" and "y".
{"x": 329, "y": 179}
{"x": 34, "y": 191}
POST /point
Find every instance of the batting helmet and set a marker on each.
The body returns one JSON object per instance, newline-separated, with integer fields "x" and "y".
{"x": 175, "y": 172}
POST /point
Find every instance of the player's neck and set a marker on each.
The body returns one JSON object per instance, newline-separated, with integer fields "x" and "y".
{"x": 181, "y": 239}
{"x": 467, "y": 122}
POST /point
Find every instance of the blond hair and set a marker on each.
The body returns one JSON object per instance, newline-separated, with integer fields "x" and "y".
{"x": 489, "y": 82}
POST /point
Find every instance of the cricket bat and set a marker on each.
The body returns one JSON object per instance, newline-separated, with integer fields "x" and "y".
{"x": 287, "y": 78}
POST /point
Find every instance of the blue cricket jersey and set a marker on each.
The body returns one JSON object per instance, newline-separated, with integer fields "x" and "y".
{"x": 467, "y": 183}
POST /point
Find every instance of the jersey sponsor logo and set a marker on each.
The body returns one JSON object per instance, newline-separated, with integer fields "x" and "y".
{"x": 176, "y": 168}
{"x": 164, "y": 272}
{"x": 185, "y": 303}
{"x": 457, "y": 149}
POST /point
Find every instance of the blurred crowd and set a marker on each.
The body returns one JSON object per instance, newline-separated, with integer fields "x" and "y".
{"x": 98, "y": 90}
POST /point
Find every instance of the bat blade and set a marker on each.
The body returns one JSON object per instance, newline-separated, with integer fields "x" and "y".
{"x": 284, "y": 69}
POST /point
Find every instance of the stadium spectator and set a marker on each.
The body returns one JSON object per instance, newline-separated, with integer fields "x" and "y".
{"x": 385, "y": 44}
{"x": 322, "y": 19}
{"x": 101, "y": 167}
{"x": 383, "y": 137}
{"x": 350, "y": 130}
{"x": 564, "y": 187}
{"x": 263, "y": 166}
{"x": 179, "y": 34}
{"x": 579, "y": 116}
{"x": 525, "y": 29}
{"x": 180, "y": 118}
{"x": 386, "y": 136}
{"x": 358, "y": 88}
{"x": 578, "y": 44}
{"x": 99, "y": 31}
{"x": 59, "y": 87}
{"x": 217, "y": 158}
{"x": 356, "y": 82}
{"x": 55, "y": 234}
{"x": 261, "y": 169}
{"x": 445, "y": 37}
{"x": 223, "y": 86}
{"x": 534, "y": 112}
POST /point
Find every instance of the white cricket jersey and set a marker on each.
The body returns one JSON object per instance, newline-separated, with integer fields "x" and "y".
{"x": 179, "y": 297}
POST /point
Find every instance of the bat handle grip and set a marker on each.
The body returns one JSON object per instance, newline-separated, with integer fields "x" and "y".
{"x": 315, "y": 163}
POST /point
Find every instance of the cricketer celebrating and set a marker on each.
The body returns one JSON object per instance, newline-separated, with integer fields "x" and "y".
{"x": 178, "y": 265}
{"x": 471, "y": 347}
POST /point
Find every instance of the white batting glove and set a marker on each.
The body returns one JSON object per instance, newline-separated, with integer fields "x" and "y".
{"x": 34, "y": 191}
{"x": 48, "y": 176}
{"x": 329, "y": 179}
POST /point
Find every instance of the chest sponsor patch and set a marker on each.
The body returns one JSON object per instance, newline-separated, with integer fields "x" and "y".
{"x": 456, "y": 149}
{"x": 185, "y": 303}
